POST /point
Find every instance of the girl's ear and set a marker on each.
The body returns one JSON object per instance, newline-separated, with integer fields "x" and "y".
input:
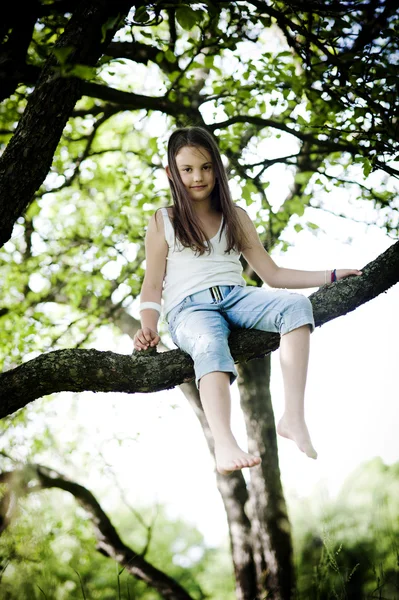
{"x": 168, "y": 173}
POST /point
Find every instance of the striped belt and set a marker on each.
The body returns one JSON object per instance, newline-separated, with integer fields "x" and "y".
{"x": 216, "y": 293}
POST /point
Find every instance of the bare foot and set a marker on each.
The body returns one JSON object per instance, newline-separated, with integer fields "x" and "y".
{"x": 231, "y": 458}
{"x": 295, "y": 429}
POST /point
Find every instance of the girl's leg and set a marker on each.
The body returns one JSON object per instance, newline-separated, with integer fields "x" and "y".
{"x": 290, "y": 314}
{"x": 214, "y": 389}
{"x": 294, "y": 358}
{"x": 203, "y": 334}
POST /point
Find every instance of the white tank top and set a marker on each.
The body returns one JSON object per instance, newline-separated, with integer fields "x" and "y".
{"x": 187, "y": 273}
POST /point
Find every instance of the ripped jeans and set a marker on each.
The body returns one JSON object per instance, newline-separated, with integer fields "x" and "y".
{"x": 201, "y": 324}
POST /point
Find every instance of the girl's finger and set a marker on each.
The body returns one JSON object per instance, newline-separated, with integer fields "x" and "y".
{"x": 140, "y": 347}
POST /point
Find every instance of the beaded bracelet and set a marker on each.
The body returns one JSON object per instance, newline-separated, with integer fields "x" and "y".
{"x": 333, "y": 275}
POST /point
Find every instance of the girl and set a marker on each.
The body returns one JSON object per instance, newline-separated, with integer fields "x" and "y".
{"x": 192, "y": 261}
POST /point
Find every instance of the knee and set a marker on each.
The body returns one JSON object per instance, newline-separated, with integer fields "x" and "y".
{"x": 202, "y": 343}
{"x": 199, "y": 345}
{"x": 299, "y": 302}
{"x": 298, "y": 311}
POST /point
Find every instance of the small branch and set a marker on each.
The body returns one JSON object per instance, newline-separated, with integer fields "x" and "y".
{"x": 305, "y": 137}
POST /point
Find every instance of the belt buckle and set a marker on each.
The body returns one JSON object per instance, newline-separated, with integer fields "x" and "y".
{"x": 216, "y": 294}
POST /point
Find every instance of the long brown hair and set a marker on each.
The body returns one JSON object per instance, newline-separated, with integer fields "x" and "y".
{"x": 185, "y": 222}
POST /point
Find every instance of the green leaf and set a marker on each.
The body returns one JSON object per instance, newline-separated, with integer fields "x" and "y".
{"x": 209, "y": 61}
{"x": 80, "y": 71}
{"x": 33, "y": 210}
{"x": 367, "y": 167}
{"x": 62, "y": 54}
{"x": 187, "y": 17}
{"x": 110, "y": 24}
{"x": 141, "y": 15}
{"x": 170, "y": 57}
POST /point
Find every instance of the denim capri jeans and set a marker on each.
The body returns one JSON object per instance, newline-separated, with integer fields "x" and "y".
{"x": 201, "y": 324}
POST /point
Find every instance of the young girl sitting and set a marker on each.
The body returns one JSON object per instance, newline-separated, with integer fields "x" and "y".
{"x": 192, "y": 262}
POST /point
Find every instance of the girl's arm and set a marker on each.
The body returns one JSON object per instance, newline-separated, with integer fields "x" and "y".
{"x": 156, "y": 250}
{"x": 279, "y": 277}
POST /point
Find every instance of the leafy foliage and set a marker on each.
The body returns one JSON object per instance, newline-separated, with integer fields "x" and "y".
{"x": 347, "y": 547}
{"x": 44, "y": 552}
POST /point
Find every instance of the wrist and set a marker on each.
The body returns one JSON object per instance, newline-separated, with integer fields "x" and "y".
{"x": 150, "y": 306}
{"x": 330, "y": 276}
{"x": 147, "y": 323}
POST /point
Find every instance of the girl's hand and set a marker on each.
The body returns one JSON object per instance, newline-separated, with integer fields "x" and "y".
{"x": 342, "y": 273}
{"x": 146, "y": 338}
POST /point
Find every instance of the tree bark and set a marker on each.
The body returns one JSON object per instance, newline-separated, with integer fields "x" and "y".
{"x": 91, "y": 370}
{"x": 234, "y": 493}
{"x": 28, "y": 157}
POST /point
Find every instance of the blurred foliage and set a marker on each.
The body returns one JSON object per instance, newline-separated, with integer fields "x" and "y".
{"x": 50, "y": 550}
{"x": 347, "y": 547}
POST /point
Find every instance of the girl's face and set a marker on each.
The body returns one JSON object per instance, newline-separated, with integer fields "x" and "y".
{"x": 195, "y": 166}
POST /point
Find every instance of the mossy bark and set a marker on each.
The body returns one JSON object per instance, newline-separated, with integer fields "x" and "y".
{"x": 271, "y": 530}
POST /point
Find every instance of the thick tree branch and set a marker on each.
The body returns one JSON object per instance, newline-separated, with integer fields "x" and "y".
{"x": 139, "y": 53}
{"x": 108, "y": 541}
{"x": 92, "y": 370}
{"x": 131, "y": 101}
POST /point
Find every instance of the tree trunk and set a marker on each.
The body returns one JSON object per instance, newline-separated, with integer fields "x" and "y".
{"x": 234, "y": 493}
{"x": 27, "y": 159}
{"x": 270, "y": 525}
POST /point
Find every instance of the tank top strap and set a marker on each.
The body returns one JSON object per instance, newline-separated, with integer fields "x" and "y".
{"x": 169, "y": 231}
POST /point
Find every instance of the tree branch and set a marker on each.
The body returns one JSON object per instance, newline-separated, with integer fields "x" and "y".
{"x": 131, "y": 101}
{"x": 93, "y": 370}
{"x": 139, "y": 53}
{"x": 305, "y": 137}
